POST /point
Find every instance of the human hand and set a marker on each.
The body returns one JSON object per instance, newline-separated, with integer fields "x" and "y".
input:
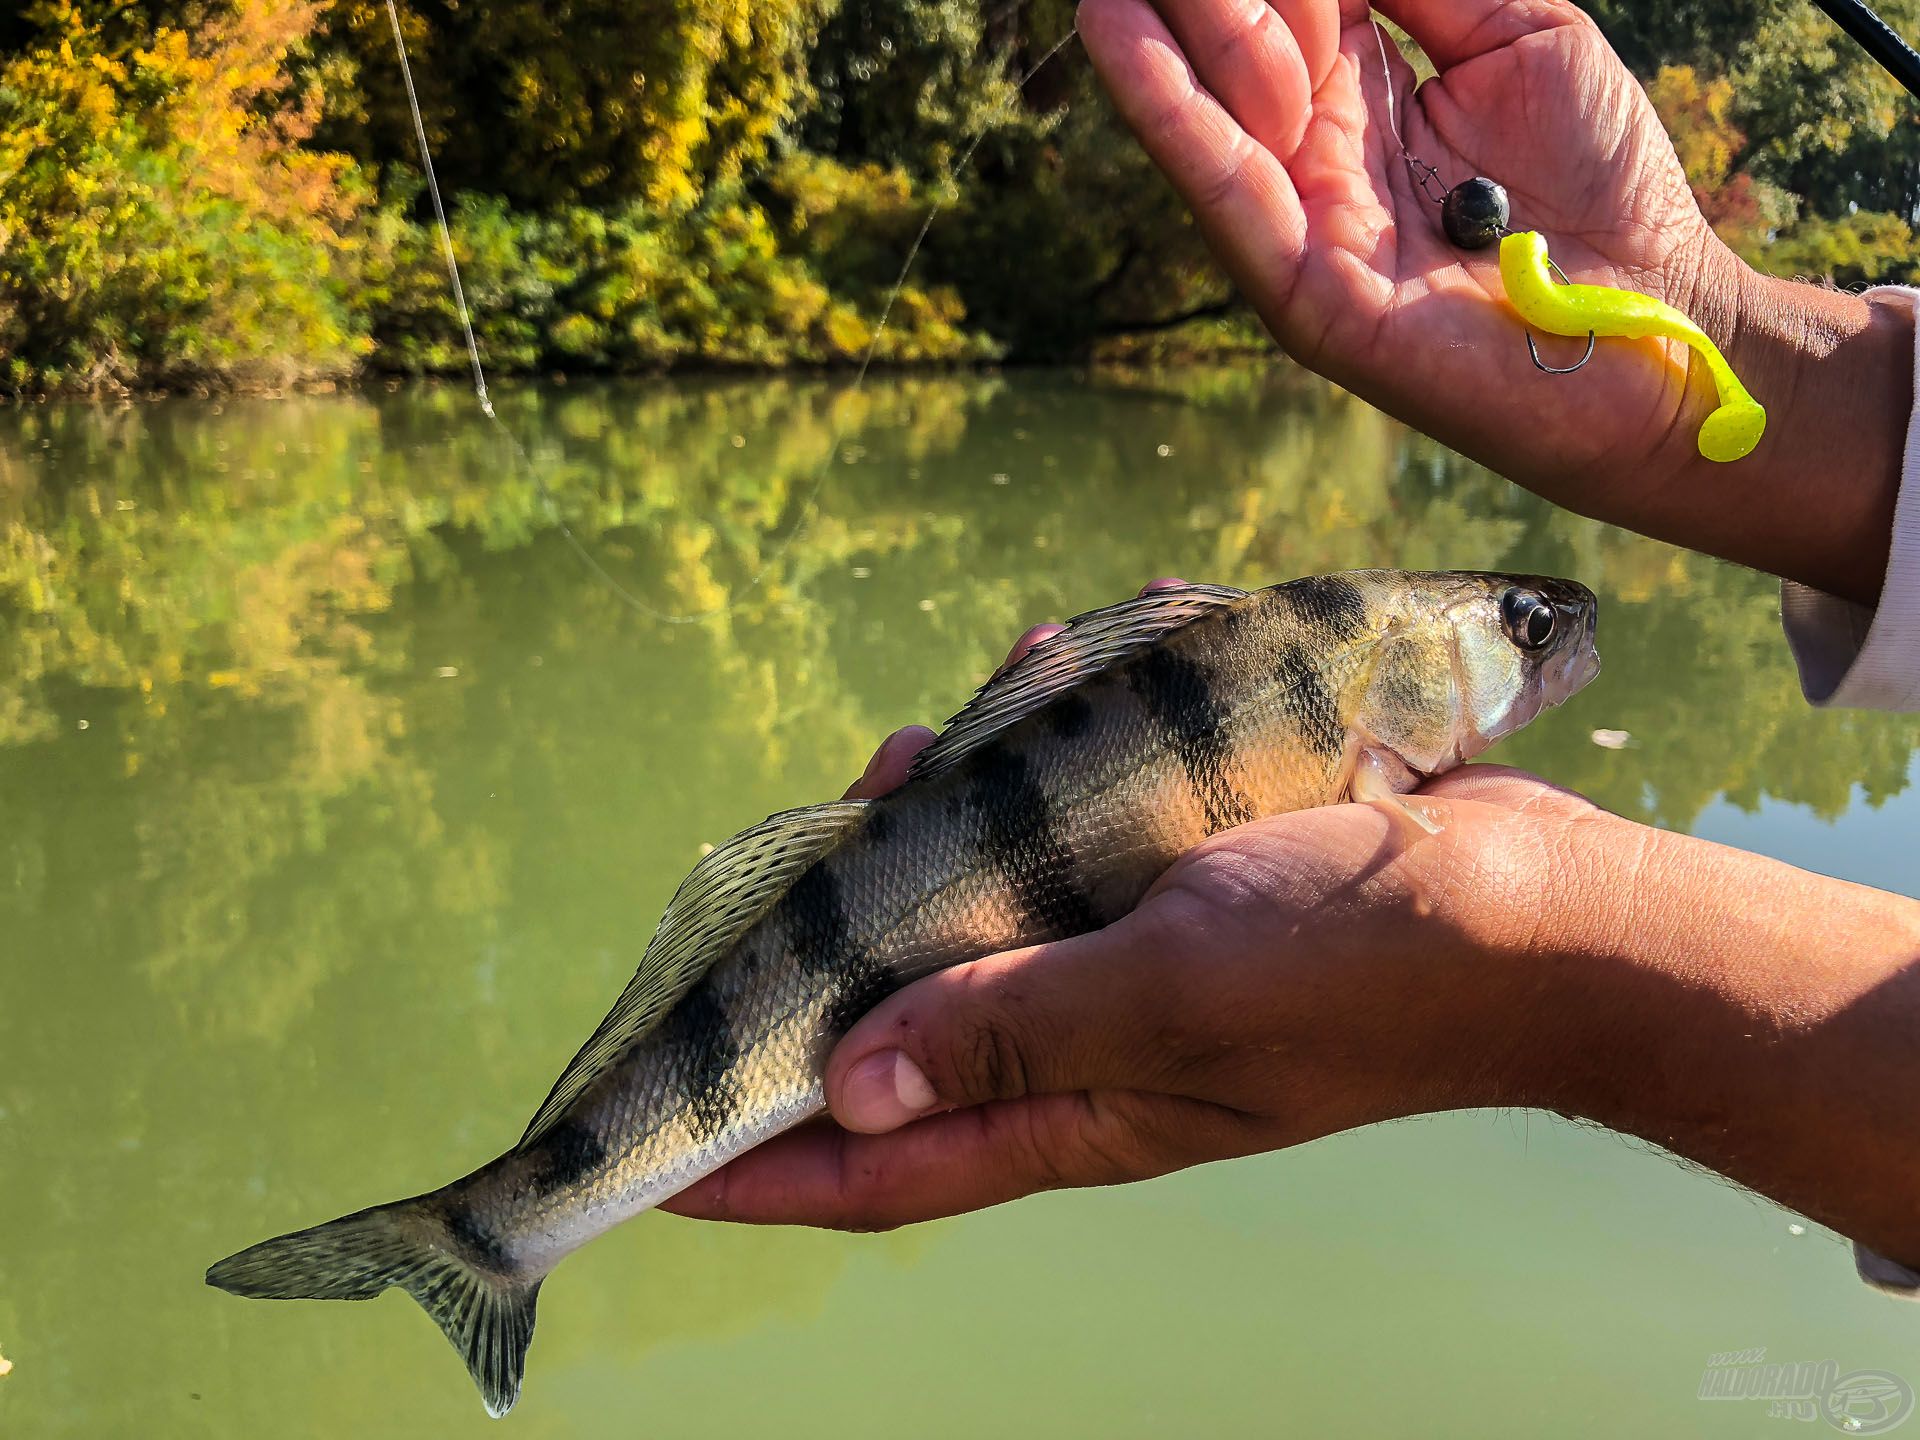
{"x": 1262, "y": 994}
{"x": 1289, "y": 979}
{"x": 1313, "y": 972}
{"x": 1273, "y": 119}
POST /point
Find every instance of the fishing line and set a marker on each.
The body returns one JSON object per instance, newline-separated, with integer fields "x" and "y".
{"x": 1489, "y": 224}
{"x": 840, "y": 431}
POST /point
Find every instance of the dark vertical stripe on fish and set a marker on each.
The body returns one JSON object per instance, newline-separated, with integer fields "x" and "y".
{"x": 698, "y": 1029}
{"x": 568, "y": 1153}
{"x": 862, "y": 984}
{"x": 816, "y": 918}
{"x": 821, "y": 937}
{"x": 1309, "y": 701}
{"x": 1069, "y": 716}
{"x": 1332, "y": 602}
{"x": 1179, "y": 695}
{"x": 472, "y": 1236}
{"x": 1021, "y": 834}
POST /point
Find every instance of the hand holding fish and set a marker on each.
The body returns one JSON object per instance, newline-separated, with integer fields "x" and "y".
{"x": 1112, "y": 922}
{"x": 1310, "y": 973}
{"x": 1283, "y": 981}
{"x": 1273, "y": 119}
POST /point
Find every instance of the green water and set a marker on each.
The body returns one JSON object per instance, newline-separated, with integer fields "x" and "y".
{"x": 337, "y": 800}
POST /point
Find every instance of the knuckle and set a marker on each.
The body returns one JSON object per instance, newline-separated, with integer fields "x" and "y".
{"x": 978, "y": 1048}
{"x": 987, "y": 1061}
{"x": 1078, "y": 1139}
{"x": 1217, "y": 188}
{"x": 1042, "y": 1150}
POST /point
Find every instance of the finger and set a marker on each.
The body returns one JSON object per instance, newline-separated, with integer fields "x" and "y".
{"x": 1034, "y": 635}
{"x": 1165, "y": 582}
{"x": 1315, "y": 27}
{"x": 1239, "y": 190}
{"x": 1453, "y": 31}
{"x": 887, "y": 770}
{"x": 965, "y": 1160}
{"x": 1510, "y": 789}
{"x": 1076, "y": 1014}
{"x": 1249, "y": 60}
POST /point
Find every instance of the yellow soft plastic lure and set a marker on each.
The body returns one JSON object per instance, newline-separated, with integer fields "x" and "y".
{"x": 1729, "y": 433}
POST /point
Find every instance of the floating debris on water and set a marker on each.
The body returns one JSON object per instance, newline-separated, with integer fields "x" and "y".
{"x": 926, "y": 604}
{"x": 1796, "y": 1228}
{"x": 447, "y": 672}
{"x": 863, "y": 572}
{"x": 84, "y": 724}
{"x": 1000, "y": 477}
{"x": 6, "y": 1366}
{"x": 1612, "y": 739}
{"x": 1163, "y": 451}
{"x": 739, "y": 442}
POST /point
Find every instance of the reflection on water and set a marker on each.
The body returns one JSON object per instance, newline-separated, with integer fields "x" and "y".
{"x": 337, "y": 799}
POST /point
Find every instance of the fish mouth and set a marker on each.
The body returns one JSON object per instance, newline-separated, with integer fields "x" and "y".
{"x": 1581, "y": 662}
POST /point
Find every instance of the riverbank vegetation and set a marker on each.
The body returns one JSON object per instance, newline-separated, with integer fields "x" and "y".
{"x": 223, "y": 192}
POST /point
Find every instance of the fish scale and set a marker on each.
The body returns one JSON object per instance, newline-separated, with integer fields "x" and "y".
{"x": 1047, "y": 809}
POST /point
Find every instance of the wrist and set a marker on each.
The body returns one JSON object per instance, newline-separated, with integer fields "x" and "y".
{"x": 1814, "y": 502}
{"x": 1751, "y": 1017}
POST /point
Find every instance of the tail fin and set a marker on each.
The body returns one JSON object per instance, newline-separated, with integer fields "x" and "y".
{"x": 487, "y": 1316}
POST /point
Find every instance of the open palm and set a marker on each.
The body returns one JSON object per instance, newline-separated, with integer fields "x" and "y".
{"x": 1277, "y": 123}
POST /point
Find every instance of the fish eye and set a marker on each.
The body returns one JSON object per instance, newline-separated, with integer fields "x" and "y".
{"x": 1530, "y": 620}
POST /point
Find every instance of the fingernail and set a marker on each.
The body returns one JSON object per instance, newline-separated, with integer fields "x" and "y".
{"x": 883, "y": 1092}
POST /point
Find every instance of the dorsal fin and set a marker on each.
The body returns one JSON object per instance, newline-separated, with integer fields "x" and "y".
{"x": 728, "y": 891}
{"x": 1090, "y": 643}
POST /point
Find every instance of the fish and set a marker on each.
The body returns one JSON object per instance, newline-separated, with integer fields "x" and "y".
{"x": 1046, "y": 809}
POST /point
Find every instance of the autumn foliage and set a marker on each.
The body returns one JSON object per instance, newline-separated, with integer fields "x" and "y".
{"x": 225, "y": 192}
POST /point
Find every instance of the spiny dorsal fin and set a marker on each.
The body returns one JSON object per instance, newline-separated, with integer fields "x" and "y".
{"x": 728, "y": 891}
{"x": 1090, "y": 643}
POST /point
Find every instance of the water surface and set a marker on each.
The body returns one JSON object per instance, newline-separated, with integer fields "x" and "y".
{"x": 338, "y": 799}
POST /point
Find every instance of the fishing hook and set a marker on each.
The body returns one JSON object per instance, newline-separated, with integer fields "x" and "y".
{"x": 1534, "y": 351}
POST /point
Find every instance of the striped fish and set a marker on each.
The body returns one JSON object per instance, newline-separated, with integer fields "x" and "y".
{"x": 1046, "y": 809}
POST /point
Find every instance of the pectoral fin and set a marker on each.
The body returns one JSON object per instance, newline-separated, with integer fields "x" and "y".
{"x": 1381, "y": 777}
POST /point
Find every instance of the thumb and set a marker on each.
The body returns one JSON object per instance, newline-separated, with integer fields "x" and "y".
{"x": 1078, "y": 1014}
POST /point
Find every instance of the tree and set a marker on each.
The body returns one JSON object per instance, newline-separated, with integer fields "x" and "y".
{"x": 593, "y": 101}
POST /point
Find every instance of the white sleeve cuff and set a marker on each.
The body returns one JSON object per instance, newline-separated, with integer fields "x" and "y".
{"x": 1850, "y": 656}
